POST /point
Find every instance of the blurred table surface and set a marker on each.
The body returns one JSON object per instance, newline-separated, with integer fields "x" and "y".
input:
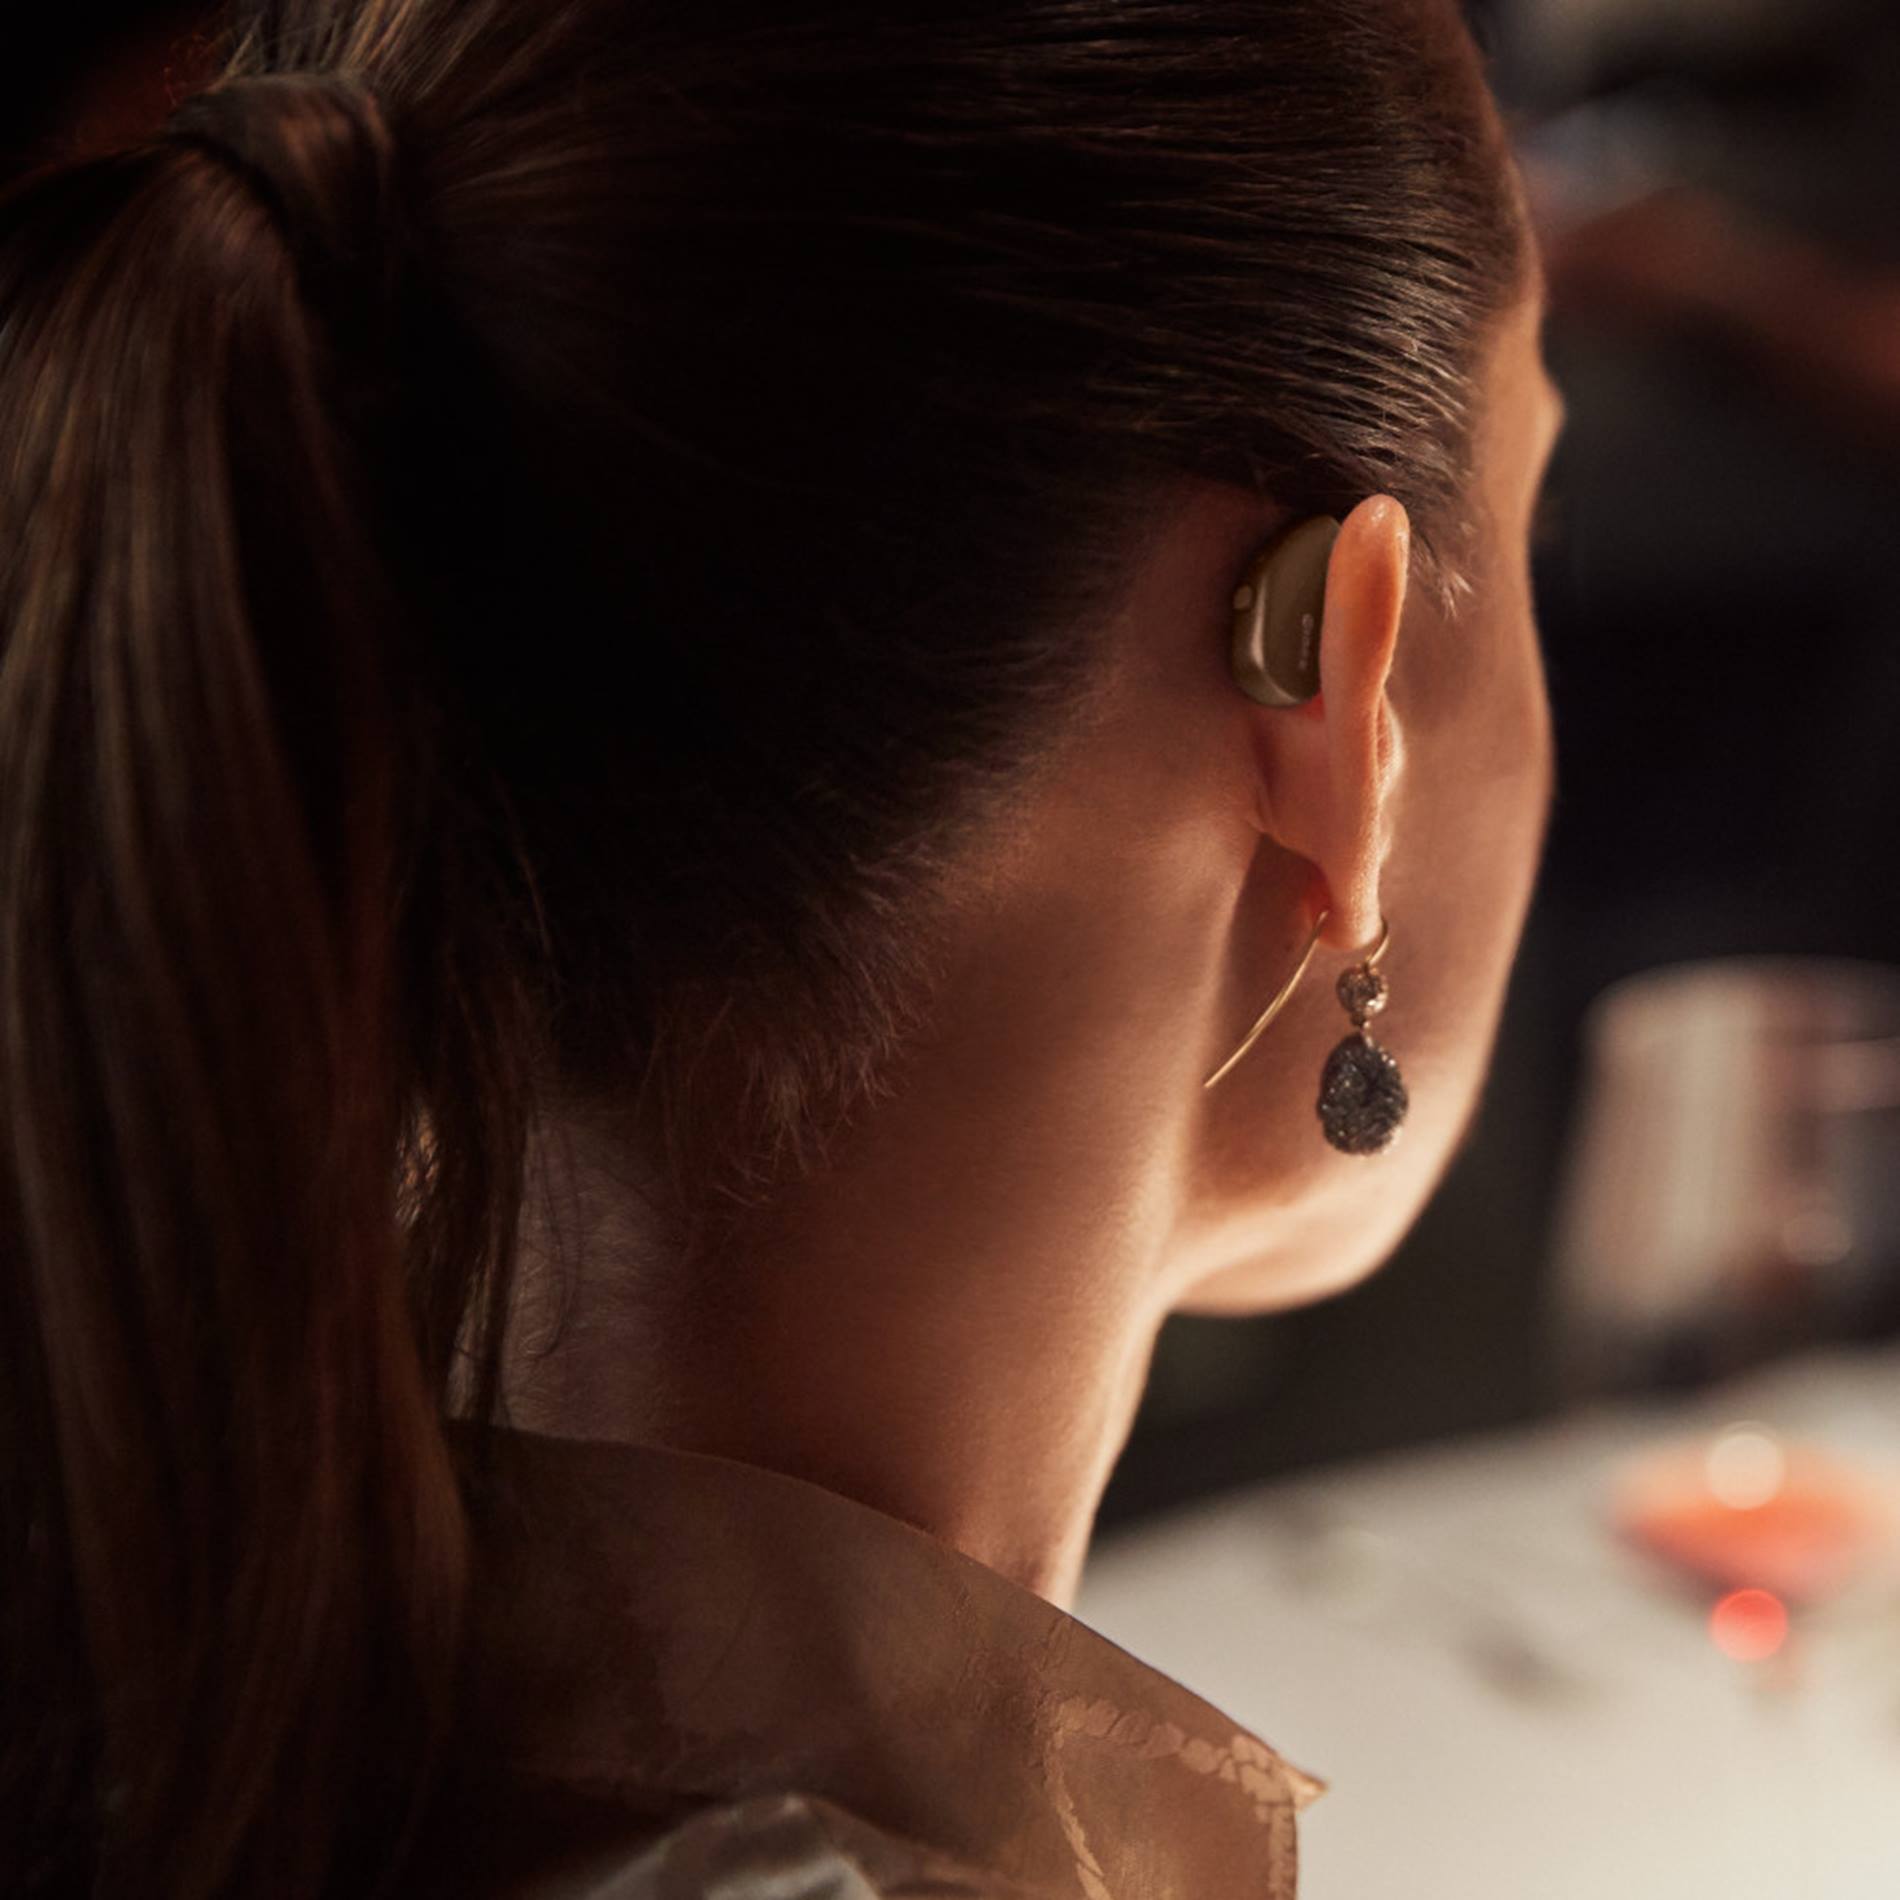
{"x": 1510, "y": 1704}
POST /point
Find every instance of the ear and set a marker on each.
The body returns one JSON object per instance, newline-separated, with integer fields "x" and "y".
{"x": 1328, "y": 769}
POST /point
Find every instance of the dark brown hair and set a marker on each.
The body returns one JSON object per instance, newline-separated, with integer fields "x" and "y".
{"x": 529, "y": 531}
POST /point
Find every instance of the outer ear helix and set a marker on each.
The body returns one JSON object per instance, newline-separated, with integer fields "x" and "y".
{"x": 1279, "y": 607}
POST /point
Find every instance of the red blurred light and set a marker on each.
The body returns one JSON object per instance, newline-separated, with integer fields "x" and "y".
{"x": 1749, "y": 1625}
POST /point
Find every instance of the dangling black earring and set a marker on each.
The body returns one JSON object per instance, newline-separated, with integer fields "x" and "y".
{"x": 1362, "y": 1099}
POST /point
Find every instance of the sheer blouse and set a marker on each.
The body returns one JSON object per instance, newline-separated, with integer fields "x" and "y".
{"x": 692, "y": 1677}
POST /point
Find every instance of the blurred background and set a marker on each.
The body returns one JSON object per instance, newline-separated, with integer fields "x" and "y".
{"x": 1562, "y": 1547}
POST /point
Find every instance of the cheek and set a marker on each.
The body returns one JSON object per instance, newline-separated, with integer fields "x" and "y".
{"x": 1520, "y": 756}
{"x": 1471, "y": 700}
{"x": 1471, "y": 826}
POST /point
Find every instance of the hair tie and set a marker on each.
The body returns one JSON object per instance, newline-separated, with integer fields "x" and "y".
{"x": 316, "y": 152}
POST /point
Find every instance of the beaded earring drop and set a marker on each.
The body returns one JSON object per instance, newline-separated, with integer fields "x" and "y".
{"x": 1362, "y": 1098}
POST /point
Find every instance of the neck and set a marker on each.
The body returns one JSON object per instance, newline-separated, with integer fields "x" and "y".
{"x": 953, "y": 1321}
{"x": 954, "y": 1328}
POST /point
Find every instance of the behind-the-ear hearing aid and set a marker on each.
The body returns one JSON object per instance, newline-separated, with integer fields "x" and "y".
{"x": 1278, "y": 608}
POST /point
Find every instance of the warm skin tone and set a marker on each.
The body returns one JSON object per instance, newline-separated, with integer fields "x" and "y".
{"x": 955, "y": 1322}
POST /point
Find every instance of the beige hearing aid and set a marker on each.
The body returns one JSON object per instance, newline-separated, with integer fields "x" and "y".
{"x": 1278, "y": 607}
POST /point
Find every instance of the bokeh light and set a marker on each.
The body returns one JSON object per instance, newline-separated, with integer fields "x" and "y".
{"x": 1749, "y": 1625}
{"x": 1747, "y": 1466}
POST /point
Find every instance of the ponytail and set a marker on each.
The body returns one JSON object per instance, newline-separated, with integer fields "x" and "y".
{"x": 231, "y": 1544}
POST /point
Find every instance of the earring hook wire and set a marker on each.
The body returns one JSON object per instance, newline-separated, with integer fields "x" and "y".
{"x": 1293, "y": 983}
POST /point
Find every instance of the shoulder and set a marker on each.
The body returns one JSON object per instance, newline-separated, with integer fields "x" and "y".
{"x": 760, "y": 1847}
